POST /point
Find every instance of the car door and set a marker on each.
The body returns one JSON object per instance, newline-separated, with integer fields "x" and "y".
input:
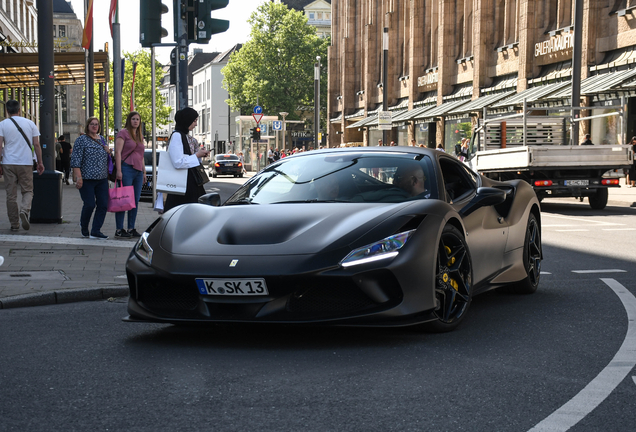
{"x": 487, "y": 231}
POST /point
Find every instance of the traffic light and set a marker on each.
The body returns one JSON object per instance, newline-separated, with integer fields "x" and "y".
{"x": 150, "y": 30}
{"x": 255, "y": 133}
{"x": 206, "y": 25}
{"x": 173, "y": 67}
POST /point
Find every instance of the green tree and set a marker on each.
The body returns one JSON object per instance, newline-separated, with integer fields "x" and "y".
{"x": 143, "y": 92}
{"x": 276, "y": 65}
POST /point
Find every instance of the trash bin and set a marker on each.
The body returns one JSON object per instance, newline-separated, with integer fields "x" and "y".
{"x": 47, "y": 197}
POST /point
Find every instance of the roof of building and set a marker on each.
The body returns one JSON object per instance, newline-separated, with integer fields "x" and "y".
{"x": 299, "y": 5}
{"x": 197, "y": 60}
{"x": 225, "y": 56}
{"x": 62, "y": 6}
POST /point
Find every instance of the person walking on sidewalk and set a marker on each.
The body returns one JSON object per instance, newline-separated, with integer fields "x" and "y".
{"x": 65, "y": 156}
{"x": 131, "y": 170}
{"x": 90, "y": 172}
{"x": 19, "y": 146}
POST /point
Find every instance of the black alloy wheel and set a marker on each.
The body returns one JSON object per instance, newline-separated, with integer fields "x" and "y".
{"x": 532, "y": 256}
{"x": 453, "y": 282}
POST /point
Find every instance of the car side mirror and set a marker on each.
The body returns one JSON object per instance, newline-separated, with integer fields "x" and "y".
{"x": 486, "y": 196}
{"x": 212, "y": 199}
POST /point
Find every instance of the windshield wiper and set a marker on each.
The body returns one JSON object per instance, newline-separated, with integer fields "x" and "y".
{"x": 315, "y": 200}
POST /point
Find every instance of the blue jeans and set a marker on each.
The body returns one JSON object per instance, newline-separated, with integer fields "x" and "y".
{"x": 94, "y": 192}
{"x": 134, "y": 178}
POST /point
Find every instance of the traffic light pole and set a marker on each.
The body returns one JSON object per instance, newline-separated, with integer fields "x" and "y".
{"x": 182, "y": 57}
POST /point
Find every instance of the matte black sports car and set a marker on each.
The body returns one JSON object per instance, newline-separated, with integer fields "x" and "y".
{"x": 360, "y": 236}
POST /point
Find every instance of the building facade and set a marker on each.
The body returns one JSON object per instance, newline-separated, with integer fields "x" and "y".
{"x": 18, "y": 34}
{"x": 216, "y": 126}
{"x": 448, "y": 60}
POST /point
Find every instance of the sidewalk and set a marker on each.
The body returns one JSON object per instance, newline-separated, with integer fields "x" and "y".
{"x": 53, "y": 263}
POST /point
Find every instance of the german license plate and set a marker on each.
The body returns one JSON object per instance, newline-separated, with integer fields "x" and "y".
{"x": 577, "y": 182}
{"x": 232, "y": 287}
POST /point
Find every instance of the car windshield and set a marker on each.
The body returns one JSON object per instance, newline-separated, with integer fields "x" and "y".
{"x": 223, "y": 157}
{"x": 148, "y": 158}
{"x": 341, "y": 177}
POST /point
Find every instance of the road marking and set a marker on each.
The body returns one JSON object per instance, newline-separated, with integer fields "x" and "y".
{"x": 607, "y": 380}
{"x": 544, "y": 272}
{"x": 67, "y": 241}
{"x": 578, "y": 219}
{"x": 618, "y": 229}
{"x": 600, "y": 271}
{"x": 573, "y": 230}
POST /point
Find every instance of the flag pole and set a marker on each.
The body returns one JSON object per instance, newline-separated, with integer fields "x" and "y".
{"x": 117, "y": 78}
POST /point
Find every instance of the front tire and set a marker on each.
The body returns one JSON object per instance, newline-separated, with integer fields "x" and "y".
{"x": 532, "y": 256}
{"x": 453, "y": 282}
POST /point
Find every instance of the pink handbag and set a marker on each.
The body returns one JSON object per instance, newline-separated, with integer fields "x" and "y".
{"x": 121, "y": 198}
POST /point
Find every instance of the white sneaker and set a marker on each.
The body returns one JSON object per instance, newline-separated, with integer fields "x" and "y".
{"x": 24, "y": 217}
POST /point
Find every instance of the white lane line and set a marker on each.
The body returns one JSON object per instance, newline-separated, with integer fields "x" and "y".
{"x": 578, "y": 219}
{"x": 544, "y": 272}
{"x": 618, "y": 229}
{"x": 128, "y": 244}
{"x": 573, "y": 230}
{"x": 607, "y": 380}
{"x": 600, "y": 271}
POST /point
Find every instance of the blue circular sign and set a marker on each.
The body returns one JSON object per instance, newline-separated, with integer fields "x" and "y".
{"x": 258, "y": 109}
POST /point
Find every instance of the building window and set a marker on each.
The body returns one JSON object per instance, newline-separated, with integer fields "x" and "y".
{"x": 62, "y": 31}
{"x": 311, "y": 15}
{"x": 54, "y": 30}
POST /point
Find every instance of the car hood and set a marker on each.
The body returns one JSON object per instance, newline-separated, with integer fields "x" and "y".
{"x": 276, "y": 229}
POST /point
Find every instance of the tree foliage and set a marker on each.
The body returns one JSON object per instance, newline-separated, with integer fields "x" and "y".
{"x": 276, "y": 65}
{"x": 143, "y": 91}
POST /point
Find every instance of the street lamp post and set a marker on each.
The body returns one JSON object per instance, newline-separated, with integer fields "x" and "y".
{"x": 316, "y": 100}
{"x": 283, "y": 115}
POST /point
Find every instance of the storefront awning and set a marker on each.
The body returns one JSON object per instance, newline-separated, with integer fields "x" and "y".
{"x": 532, "y": 94}
{"x": 601, "y": 83}
{"x": 337, "y": 119}
{"x": 358, "y": 114}
{"x": 22, "y": 70}
{"x": 480, "y": 103}
{"x": 362, "y": 122}
{"x": 439, "y": 110}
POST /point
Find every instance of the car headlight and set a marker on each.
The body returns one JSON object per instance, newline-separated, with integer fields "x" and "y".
{"x": 383, "y": 249}
{"x": 143, "y": 249}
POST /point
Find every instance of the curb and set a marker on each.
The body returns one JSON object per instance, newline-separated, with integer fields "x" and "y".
{"x": 63, "y": 296}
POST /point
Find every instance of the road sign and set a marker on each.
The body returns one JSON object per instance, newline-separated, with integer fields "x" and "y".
{"x": 384, "y": 120}
{"x": 264, "y": 129}
{"x": 258, "y": 109}
{"x": 257, "y": 117}
{"x": 277, "y": 125}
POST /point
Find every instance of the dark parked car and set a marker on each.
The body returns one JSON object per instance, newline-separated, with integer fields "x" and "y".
{"x": 358, "y": 236}
{"x": 146, "y": 187}
{"x": 226, "y": 164}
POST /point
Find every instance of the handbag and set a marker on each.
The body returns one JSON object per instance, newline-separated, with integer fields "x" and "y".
{"x": 121, "y": 198}
{"x": 170, "y": 179}
{"x": 200, "y": 176}
{"x": 35, "y": 162}
{"x": 158, "y": 207}
{"x": 112, "y": 167}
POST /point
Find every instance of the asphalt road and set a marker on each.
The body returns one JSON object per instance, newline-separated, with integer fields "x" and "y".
{"x": 513, "y": 364}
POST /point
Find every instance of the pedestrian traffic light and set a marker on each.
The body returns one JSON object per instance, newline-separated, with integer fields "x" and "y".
{"x": 150, "y": 30}
{"x": 206, "y": 25}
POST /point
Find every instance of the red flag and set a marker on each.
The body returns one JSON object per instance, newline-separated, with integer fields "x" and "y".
{"x": 132, "y": 88}
{"x": 112, "y": 15}
{"x": 88, "y": 27}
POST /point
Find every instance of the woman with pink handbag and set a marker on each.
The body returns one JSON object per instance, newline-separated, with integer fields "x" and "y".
{"x": 131, "y": 170}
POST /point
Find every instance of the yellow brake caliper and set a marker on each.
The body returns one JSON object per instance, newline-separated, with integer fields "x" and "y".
{"x": 450, "y": 263}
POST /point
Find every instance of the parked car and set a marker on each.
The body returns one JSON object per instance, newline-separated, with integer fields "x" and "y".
{"x": 378, "y": 236}
{"x": 146, "y": 188}
{"x": 226, "y": 164}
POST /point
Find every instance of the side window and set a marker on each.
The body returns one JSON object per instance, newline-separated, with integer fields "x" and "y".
{"x": 459, "y": 182}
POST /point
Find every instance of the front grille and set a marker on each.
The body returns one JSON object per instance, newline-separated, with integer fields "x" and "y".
{"x": 168, "y": 298}
{"x": 146, "y": 188}
{"x": 334, "y": 300}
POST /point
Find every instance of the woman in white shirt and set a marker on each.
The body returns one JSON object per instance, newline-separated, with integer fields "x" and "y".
{"x": 185, "y": 153}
